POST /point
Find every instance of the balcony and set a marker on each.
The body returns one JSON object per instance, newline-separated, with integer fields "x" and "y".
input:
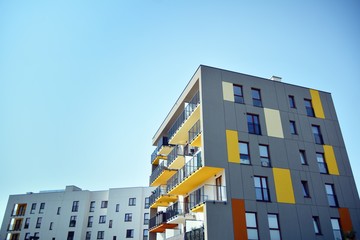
{"x": 158, "y": 223}
{"x": 178, "y": 212}
{"x": 195, "y": 135}
{"x": 195, "y": 234}
{"x": 19, "y": 209}
{"x": 15, "y": 224}
{"x": 163, "y": 146}
{"x": 178, "y": 133}
{"x": 206, "y": 193}
{"x": 176, "y": 158}
{"x": 156, "y": 157}
{"x": 160, "y": 198}
{"x": 161, "y": 174}
{"x": 189, "y": 177}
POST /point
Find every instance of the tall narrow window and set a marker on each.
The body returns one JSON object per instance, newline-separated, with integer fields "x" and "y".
{"x": 132, "y": 201}
{"x": 92, "y": 206}
{"x": 27, "y": 223}
{"x": 102, "y": 219}
{"x": 51, "y": 226}
{"x": 38, "y": 222}
{"x": 130, "y": 233}
{"x": 58, "y": 211}
{"x": 264, "y": 155}
{"x": 317, "y": 134}
{"x": 261, "y": 189}
{"x": 331, "y": 196}
{"x": 72, "y": 221}
{"x": 303, "y": 157}
{"x": 251, "y": 225}
{"x": 316, "y": 223}
{"x": 104, "y": 204}
{"x": 70, "y": 235}
{"x": 256, "y": 97}
{"x": 321, "y": 163}
{"x": 336, "y": 228}
{"x": 90, "y": 221}
{"x": 292, "y": 101}
{"x": 218, "y": 182}
{"x": 309, "y": 108}
{"x": 100, "y": 235}
{"x": 128, "y": 217}
{"x": 88, "y": 235}
{"x": 293, "y": 130}
{"x": 244, "y": 153}
{"x": 145, "y": 234}
{"x": 147, "y": 203}
{"x": 110, "y": 223}
{"x": 117, "y": 208}
{"x": 274, "y": 227}
{"x": 146, "y": 218}
{"x": 238, "y": 94}
{"x": 33, "y": 207}
{"x": 75, "y": 206}
{"x": 253, "y": 124}
{"x": 42, "y": 207}
{"x": 305, "y": 189}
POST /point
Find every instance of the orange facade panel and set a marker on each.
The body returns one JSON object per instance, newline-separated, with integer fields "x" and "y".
{"x": 239, "y": 221}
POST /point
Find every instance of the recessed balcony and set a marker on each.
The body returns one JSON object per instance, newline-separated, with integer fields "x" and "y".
{"x": 158, "y": 223}
{"x": 176, "y": 158}
{"x": 160, "y": 198}
{"x": 161, "y": 174}
{"x": 200, "y": 196}
{"x": 163, "y": 146}
{"x": 178, "y": 213}
{"x": 195, "y": 135}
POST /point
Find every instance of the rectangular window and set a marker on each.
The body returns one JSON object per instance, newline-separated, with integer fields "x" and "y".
{"x": 130, "y": 233}
{"x": 264, "y": 155}
{"x": 238, "y": 94}
{"x": 292, "y": 101}
{"x": 261, "y": 189}
{"x": 75, "y": 206}
{"x": 92, "y": 206}
{"x": 58, "y": 211}
{"x": 27, "y": 236}
{"x": 104, "y": 204}
{"x": 90, "y": 221}
{"x": 146, "y": 218}
{"x": 309, "y": 108}
{"x": 100, "y": 235}
{"x": 253, "y": 124}
{"x": 110, "y": 223}
{"x": 132, "y": 201}
{"x": 147, "y": 203}
{"x": 316, "y": 223}
{"x": 102, "y": 219}
{"x": 256, "y": 97}
{"x": 274, "y": 227}
{"x": 303, "y": 157}
{"x": 251, "y": 226}
{"x": 331, "y": 196}
{"x": 244, "y": 152}
{"x": 42, "y": 207}
{"x": 321, "y": 163}
{"x": 145, "y": 234}
{"x": 72, "y": 221}
{"x": 317, "y": 134}
{"x": 336, "y": 228}
{"x": 128, "y": 217}
{"x": 117, "y": 208}
{"x": 293, "y": 130}
{"x": 51, "y": 225}
{"x": 27, "y": 223}
{"x": 38, "y": 222}
{"x": 305, "y": 189}
{"x": 70, "y": 235}
{"x": 33, "y": 207}
{"x": 88, "y": 235}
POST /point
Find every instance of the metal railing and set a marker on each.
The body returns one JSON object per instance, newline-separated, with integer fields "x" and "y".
{"x": 157, "y": 171}
{"x": 207, "y": 193}
{"x": 189, "y": 108}
{"x": 157, "y": 220}
{"x": 160, "y": 190}
{"x": 175, "y": 152}
{"x": 194, "y": 131}
{"x": 195, "y": 234}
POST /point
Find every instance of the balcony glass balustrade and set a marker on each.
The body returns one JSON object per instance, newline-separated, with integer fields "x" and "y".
{"x": 159, "y": 197}
{"x": 195, "y": 234}
{"x": 194, "y": 135}
{"x": 159, "y": 223}
{"x": 206, "y": 193}
{"x": 176, "y": 158}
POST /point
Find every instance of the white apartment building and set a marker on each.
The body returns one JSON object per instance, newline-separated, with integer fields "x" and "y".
{"x": 76, "y": 214}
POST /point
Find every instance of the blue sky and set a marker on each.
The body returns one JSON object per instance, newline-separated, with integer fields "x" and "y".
{"x": 84, "y": 85}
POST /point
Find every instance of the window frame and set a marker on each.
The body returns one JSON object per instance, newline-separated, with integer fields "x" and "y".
{"x": 146, "y": 218}
{"x": 292, "y": 102}
{"x": 75, "y": 206}
{"x": 303, "y": 158}
{"x": 263, "y": 158}
{"x": 129, "y": 233}
{"x": 132, "y": 201}
{"x": 147, "y": 203}
{"x": 309, "y": 108}
{"x": 332, "y": 198}
{"x": 305, "y": 189}
{"x": 244, "y": 157}
{"x": 102, "y": 219}
{"x": 104, "y": 204}
{"x": 263, "y": 189}
{"x": 90, "y": 221}
{"x": 100, "y": 235}
{"x": 92, "y": 206}
{"x": 274, "y": 229}
{"x": 257, "y": 102}
{"x": 38, "y": 222}
{"x": 42, "y": 207}
{"x": 251, "y": 227}
{"x": 293, "y": 129}
{"x": 254, "y": 126}
{"x": 316, "y": 131}
{"x": 320, "y": 159}
{"x": 238, "y": 98}
{"x": 317, "y": 225}
{"x": 128, "y": 217}
{"x": 72, "y": 222}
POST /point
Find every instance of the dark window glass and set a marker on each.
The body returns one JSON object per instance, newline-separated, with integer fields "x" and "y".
{"x": 128, "y": 217}
{"x": 147, "y": 203}
{"x": 90, "y": 221}
{"x": 102, "y": 219}
{"x": 75, "y": 206}
{"x": 132, "y": 201}
{"x": 70, "y": 235}
{"x": 100, "y": 235}
{"x": 317, "y": 134}
{"x": 42, "y": 207}
{"x": 104, "y": 204}
{"x": 33, "y": 207}
{"x": 336, "y": 228}
{"x": 92, "y": 206}
{"x": 264, "y": 155}
{"x": 321, "y": 163}
{"x": 330, "y": 192}
{"x": 316, "y": 224}
{"x": 261, "y": 189}
{"x": 244, "y": 153}
{"x": 130, "y": 233}
{"x": 38, "y": 222}
{"x": 292, "y": 102}
{"x": 72, "y": 221}
{"x": 293, "y": 128}
{"x": 88, "y": 235}
{"x": 309, "y": 108}
{"x": 253, "y": 124}
{"x": 256, "y": 97}
{"x": 238, "y": 94}
{"x": 305, "y": 189}
{"x": 146, "y": 218}
{"x": 303, "y": 157}
{"x": 117, "y": 208}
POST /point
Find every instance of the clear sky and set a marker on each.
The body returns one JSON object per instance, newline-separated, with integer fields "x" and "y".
{"x": 84, "y": 85}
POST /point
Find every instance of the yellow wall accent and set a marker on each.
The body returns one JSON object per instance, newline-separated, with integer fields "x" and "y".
{"x": 316, "y": 101}
{"x": 273, "y": 123}
{"x": 283, "y": 185}
{"x": 331, "y": 160}
{"x": 232, "y": 141}
{"x": 228, "y": 91}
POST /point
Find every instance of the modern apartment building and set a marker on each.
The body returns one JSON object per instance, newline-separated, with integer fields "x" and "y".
{"x": 75, "y": 214}
{"x": 244, "y": 157}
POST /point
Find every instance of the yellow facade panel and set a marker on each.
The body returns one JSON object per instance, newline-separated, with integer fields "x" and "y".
{"x": 273, "y": 123}
{"x": 331, "y": 160}
{"x": 316, "y": 101}
{"x": 232, "y": 141}
{"x": 228, "y": 91}
{"x": 283, "y": 185}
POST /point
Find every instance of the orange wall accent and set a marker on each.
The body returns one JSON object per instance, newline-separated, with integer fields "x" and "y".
{"x": 345, "y": 219}
{"x": 239, "y": 221}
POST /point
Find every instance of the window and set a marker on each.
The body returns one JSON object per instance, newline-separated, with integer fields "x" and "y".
{"x": 332, "y": 199}
{"x": 128, "y": 217}
{"x": 321, "y": 163}
{"x": 102, "y": 219}
{"x": 316, "y": 223}
{"x": 90, "y": 221}
{"x": 75, "y": 206}
{"x": 305, "y": 189}
{"x": 146, "y": 218}
{"x": 336, "y": 228}
{"x": 251, "y": 226}
{"x": 303, "y": 157}
{"x": 130, "y": 233}
{"x": 88, "y": 235}
{"x": 117, "y": 208}
{"x": 132, "y": 201}
{"x": 317, "y": 134}
{"x": 238, "y": 94}
{"x": 244, "y": 153}
{"x": 70, "y": 235}
{"x": 145, "y": 234}
{"x": 309, "y": 108}
{"x": 293, "y": 130}
{"x": 42, "y": 207}
{"x": 256, "y": 97}
{"x": 110, "y": 223}
{"x": 27, "y": 223}
{"x": 58, "y": 211}
{"x": 264, "y": 155}
{"x": 72, "y": 221}
{"x": 104, "y": 204}
{"x": 261, "y": 189}
{"x": 51, "y": 225}
{"x": 38, "y": 222}
{"x": 33, "y": 207}
{"x": 147, "y": 203}
{"x": 36, "y": 234}
{"x": 92, "y": 206}
{"x": 253, "y": 124}
{"x": 292, "y": 101}
{"x": 274, "y": 227}
{"x": 27, "y": 236}
{"x": 100, "y": 235}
